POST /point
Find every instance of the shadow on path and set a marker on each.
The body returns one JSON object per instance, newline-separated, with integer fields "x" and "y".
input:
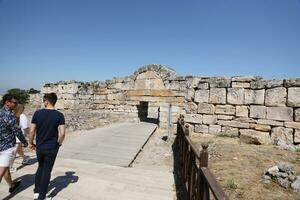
{"x": 26, "y": 181}
{"x": 181, "y": 191}
{"x": 61, "y": 182}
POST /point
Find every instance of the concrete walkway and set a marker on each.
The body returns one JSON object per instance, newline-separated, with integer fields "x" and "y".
{"x": 115, "y": 145}
{"x": 83, "y": 175}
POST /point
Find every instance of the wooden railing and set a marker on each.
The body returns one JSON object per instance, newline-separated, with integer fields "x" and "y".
{"x": 199, "y": 182}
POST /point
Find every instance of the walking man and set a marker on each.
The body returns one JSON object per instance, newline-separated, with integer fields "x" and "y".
{"x": 8, "y": 132}
{"x": 48, "y": 125}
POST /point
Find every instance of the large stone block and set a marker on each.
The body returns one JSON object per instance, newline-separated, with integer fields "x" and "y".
{"x": 292, "y": 82}
{"x": 225, "y": 117}
{"x": 254, "y": 137}
{"x": 241, "y": 111}
{"x": 280, "y": 113}
{"x": 240, "y": 85}
{"x": 281, "y": 133}
{"x": 297, "y": 136}
{"x": 293, "y": 97}
{"x": 297, "y": 115}
{"x": 191, "y": 107}
{"x": 269, "y": 122}
{"x": 209, "y": 119}
{"x": 258, "y": 84}
{"x": 276, "y": 97}
{"x": 260, "y": 127}
{"x": 295, "y": 125}
{"x": 200, "y": 128}
{"x": 230, "y": 131}
{"x": 190, "y": 94}
{"x": 225, "y": 110}
{"x": 243, "y": 78}
{"x": 193, "y": 118}
{"x": 205, "y": 108}
{"x": 217, "y": 96}
{"x": 258, "y": 112}
{"x": 274, "y": 83}
{"x": 214, "y": 129}
{"x": 255, "y": 97}
{"x": 201, "y": 96}
{"x": 233, "y": 123}
{"x": 203, "y": 86}
{"x": 235, "y": 96}
{"x": 219, "y": 82}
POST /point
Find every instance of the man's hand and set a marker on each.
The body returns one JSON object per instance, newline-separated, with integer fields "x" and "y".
{"x": 31, "y": 146}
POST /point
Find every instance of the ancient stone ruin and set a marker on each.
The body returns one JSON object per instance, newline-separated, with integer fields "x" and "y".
{"x": 255, "y": 110}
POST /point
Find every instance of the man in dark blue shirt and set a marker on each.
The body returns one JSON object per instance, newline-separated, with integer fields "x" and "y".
{"x": 8, "y": 131}
{"x": 48, "y": 125}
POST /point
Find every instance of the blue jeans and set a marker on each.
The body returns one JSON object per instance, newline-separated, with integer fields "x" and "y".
{"x": 46, "y": 159}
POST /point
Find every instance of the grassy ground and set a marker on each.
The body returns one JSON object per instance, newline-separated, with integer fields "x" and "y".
{"x": 239, "y": 166}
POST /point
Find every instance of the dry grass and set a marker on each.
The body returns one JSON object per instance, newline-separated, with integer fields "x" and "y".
{"x": 240, "y": 166}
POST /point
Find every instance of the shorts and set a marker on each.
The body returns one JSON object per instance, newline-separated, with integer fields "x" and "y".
{"x": 7, "y": 157}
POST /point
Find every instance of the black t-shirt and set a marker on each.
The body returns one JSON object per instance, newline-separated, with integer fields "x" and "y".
{"x": 47, "y": 122}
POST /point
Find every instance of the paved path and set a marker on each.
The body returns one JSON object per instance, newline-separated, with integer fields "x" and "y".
{"x": 80, "y": 174}
{"x": 115, "y": 145}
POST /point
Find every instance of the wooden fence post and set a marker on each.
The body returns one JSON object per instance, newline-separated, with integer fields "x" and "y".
{"x": 204, "y": 189}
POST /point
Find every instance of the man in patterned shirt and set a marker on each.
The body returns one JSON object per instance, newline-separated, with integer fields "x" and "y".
{"x": 8, "y": 132}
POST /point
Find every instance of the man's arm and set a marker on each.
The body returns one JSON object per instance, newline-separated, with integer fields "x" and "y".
{"x": 61, "y": 134}
{"x": 31, "y": 135}
{"x": 18, "y": 132}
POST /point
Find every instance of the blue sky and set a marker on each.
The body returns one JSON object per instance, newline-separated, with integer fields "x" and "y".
{"x": 50, "y": 40}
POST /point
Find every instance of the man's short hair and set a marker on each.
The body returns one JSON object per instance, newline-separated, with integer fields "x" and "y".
{"x": 51, "y": 97}
{"x": 9, "y": 97}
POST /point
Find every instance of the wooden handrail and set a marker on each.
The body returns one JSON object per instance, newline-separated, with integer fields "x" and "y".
{"x": 195, "y": 173}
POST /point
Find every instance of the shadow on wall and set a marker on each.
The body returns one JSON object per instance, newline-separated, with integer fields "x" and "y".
{"x": 143, "y": 113}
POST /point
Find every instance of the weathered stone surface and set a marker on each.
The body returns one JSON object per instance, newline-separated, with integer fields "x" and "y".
{"x": 203, "y": 86}
{"x": 209, "y": 119}
{"x": 280, "y": 113}
{"x": 260, "y": 127}
{"x": 240, "y": 85}
{"x": 233, "y": 124}
{"x": 296, "y": 184}
{"x": 225, "y": 110}
{"x": 241, "y": 111}
{"x": 293, "y": 97}
{"x": 200, "y": 128}
{"x": 235, "y": 96}
{"x": 192, "y": 82}
{"x": 276, "y": 97}
{"x": 193, "y": 118}
{"x": 214, "y": 129}
{"x": 201, "y": 96}
{"x": 217, "y": 95}
{"x": 274, "y": 83}
{"x": 191, "y": 107}
{"x": 205, "y": 108}
{"x": 280, "y": 133}
{"x": 297, "y": 136}
{"x": 254, "y": 137}
{"x": 269, "y": 122}
{"x": 225, "y": 117}
{"x": 230, "y": 132}
{"x": 245, "y": 119}
{"x": 243, "y": 78}
{"x": 297, "y": 115}
{"x": 255, "y": 97}
{"x": 292, "y": 82}
{"x": 258, "y": 112}
{"x": 295, "y": 125}
{"x": 190, "y": 94}
{"x": 220, "y": 82}
{"x": 258, "y": 84}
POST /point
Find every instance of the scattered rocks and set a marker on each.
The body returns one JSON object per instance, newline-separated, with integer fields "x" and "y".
{"x": 284, "y": 174}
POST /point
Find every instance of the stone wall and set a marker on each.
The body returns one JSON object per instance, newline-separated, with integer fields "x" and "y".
{"x": 256, "y": 110}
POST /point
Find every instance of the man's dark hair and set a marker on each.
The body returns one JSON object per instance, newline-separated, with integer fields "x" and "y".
{"x": 51, "y": 97}
{"x": 8, "y": 97}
